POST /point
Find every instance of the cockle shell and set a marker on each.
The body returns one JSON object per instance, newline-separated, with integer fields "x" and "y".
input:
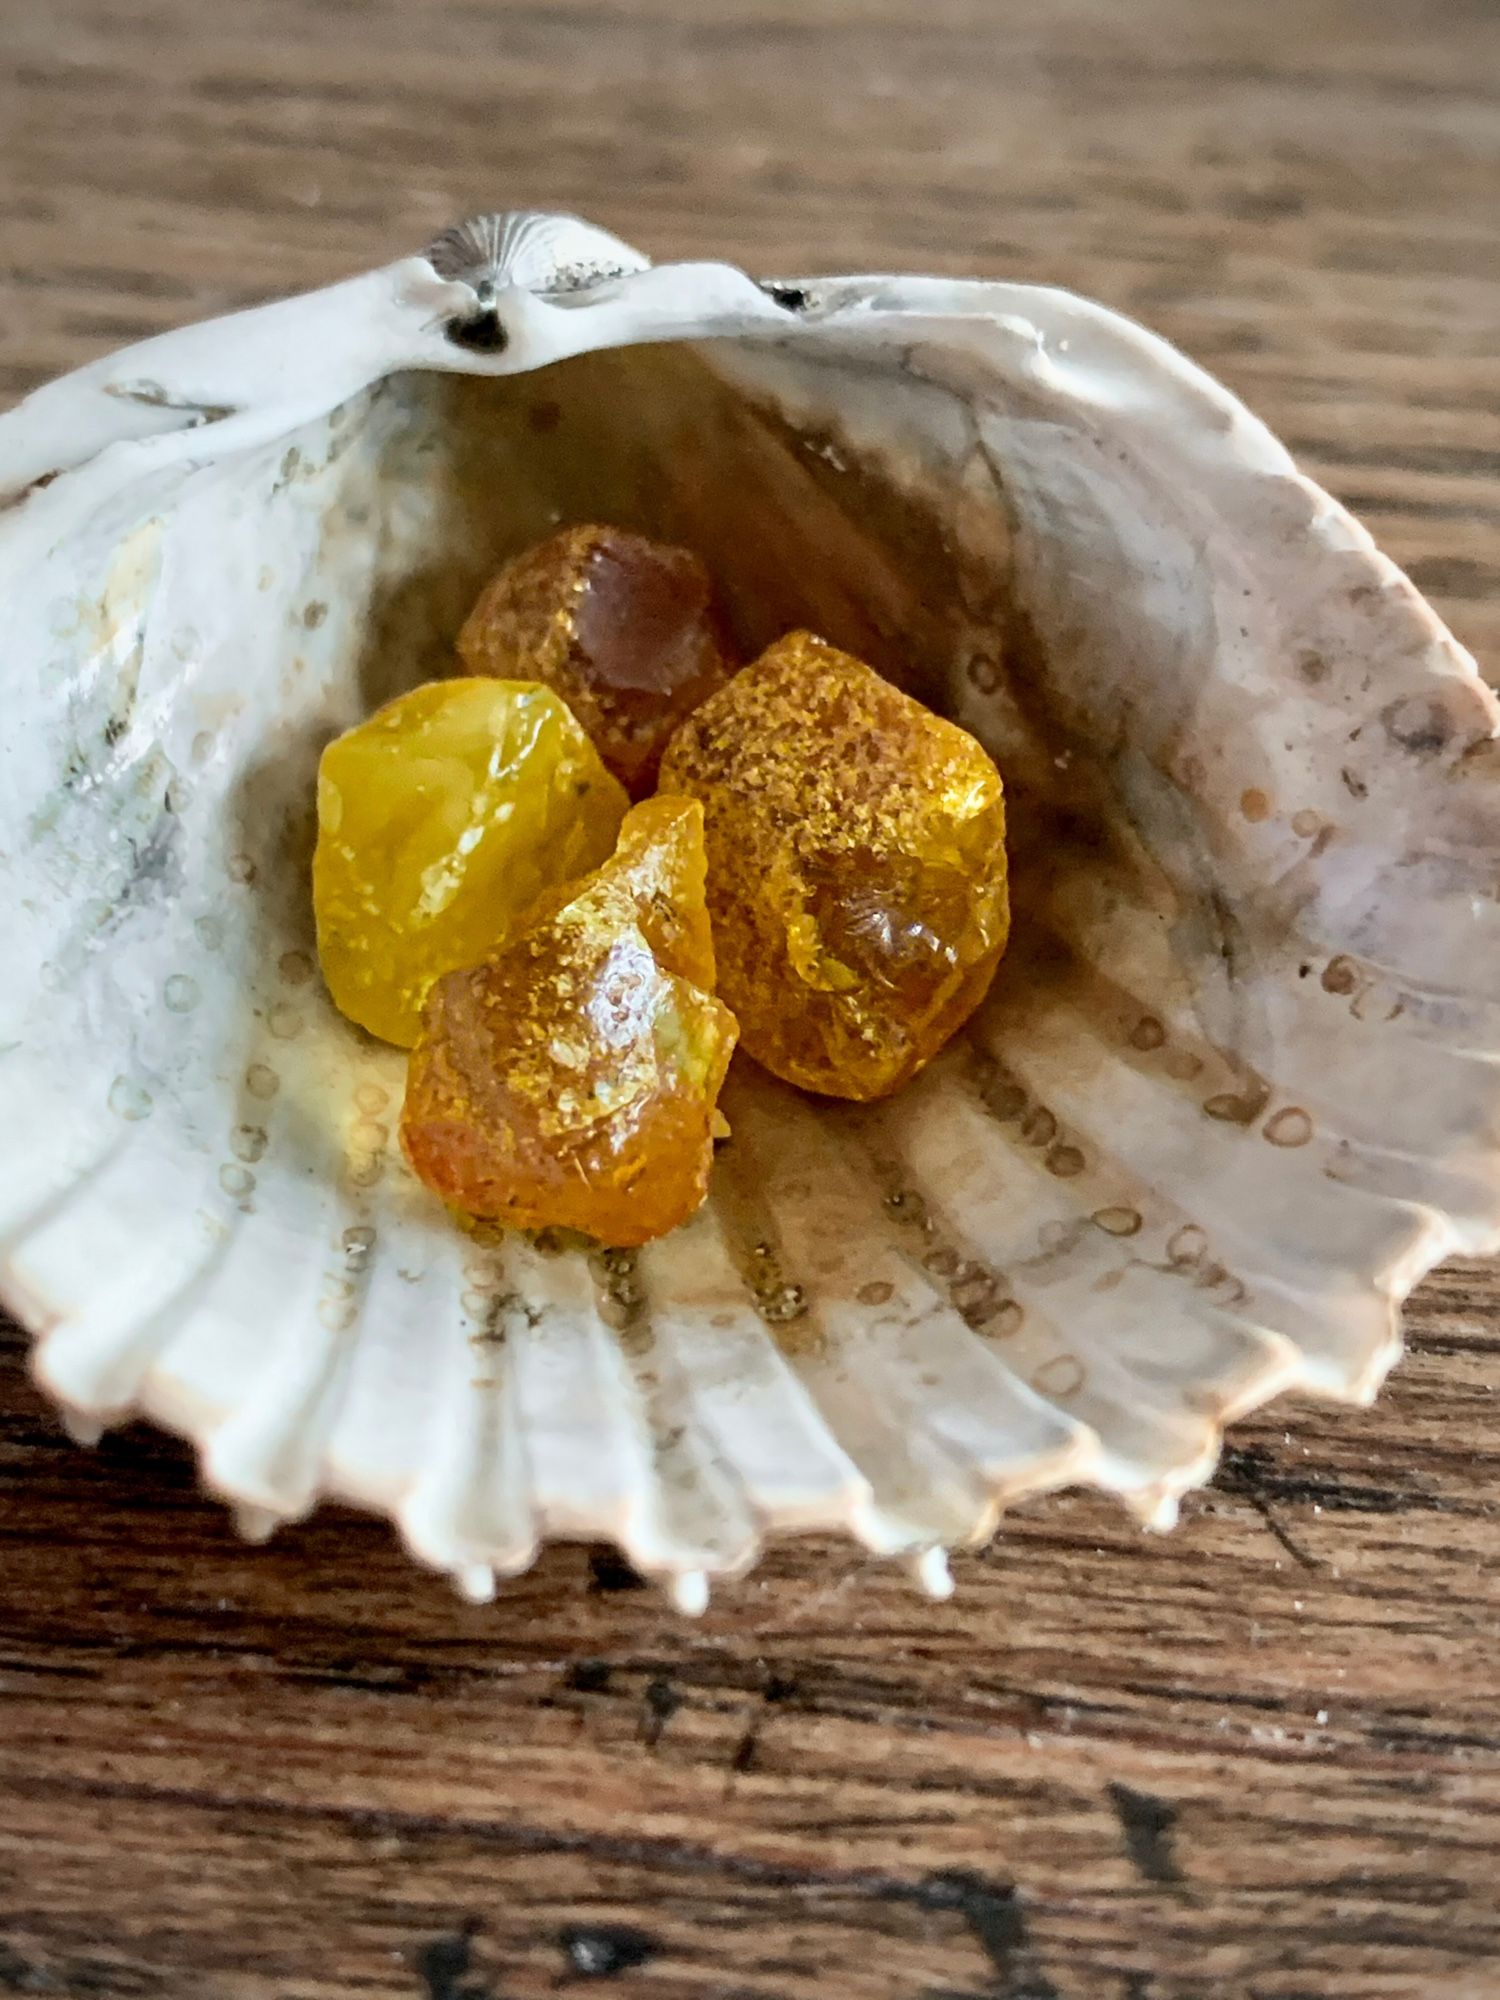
{"x": 1235, "y": 1090}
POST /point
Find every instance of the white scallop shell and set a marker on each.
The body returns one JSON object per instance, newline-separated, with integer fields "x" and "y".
{"x": 1235, "y": 1091}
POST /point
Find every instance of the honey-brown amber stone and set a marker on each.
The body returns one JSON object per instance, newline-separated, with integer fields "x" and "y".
{"x": 624, "y": 628}
{"x": 441, "y": 819}
{"x": 856, "y": 866}
{"x": 571, "y": 1081}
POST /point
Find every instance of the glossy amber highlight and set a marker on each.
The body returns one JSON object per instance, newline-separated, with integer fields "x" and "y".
{"x": 856, "y": 866}
{"x": 441, "y": 819}
{"x": 571, "y": 1081}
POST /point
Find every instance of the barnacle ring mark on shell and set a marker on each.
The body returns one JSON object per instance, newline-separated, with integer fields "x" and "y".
{"x": 555, "y": 256}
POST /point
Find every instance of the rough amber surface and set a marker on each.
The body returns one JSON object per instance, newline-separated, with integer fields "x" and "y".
{"x": 571, "y": 1081}
{"x": 623, "y": 627}
{"x": 441, "y": 819}
{"x": 856, "y": 866}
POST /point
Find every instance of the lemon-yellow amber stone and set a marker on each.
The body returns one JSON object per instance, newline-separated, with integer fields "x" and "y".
{"x": 571, "y": 1081}
{"x": 856, "y": 866}
{"x": 623, "y": 627}
{"x": 441, "y": 819}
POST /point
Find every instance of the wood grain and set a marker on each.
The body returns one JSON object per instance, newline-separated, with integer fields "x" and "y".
{"x": 1258, "y": 1758}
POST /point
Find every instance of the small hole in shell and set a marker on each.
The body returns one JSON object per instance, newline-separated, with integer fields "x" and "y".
{"x": 482, "y": 332}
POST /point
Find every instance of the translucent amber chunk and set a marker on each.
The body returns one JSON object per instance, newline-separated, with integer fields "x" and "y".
{"x": 571, "y": 1081}
{"x": 440, "y": 820}
{"x": 856, "y": 866}
{"x": 623, "y": 627}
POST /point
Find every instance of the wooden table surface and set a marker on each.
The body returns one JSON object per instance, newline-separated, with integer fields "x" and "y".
{"x": 1260, "y": 1757}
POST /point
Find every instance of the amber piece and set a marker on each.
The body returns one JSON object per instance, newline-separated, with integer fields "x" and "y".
{"x": 624, "y": 628}
{"x": 441, "y": 819}
{"x": 856, "y": 866}
{"x": 571, "y": 1081}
